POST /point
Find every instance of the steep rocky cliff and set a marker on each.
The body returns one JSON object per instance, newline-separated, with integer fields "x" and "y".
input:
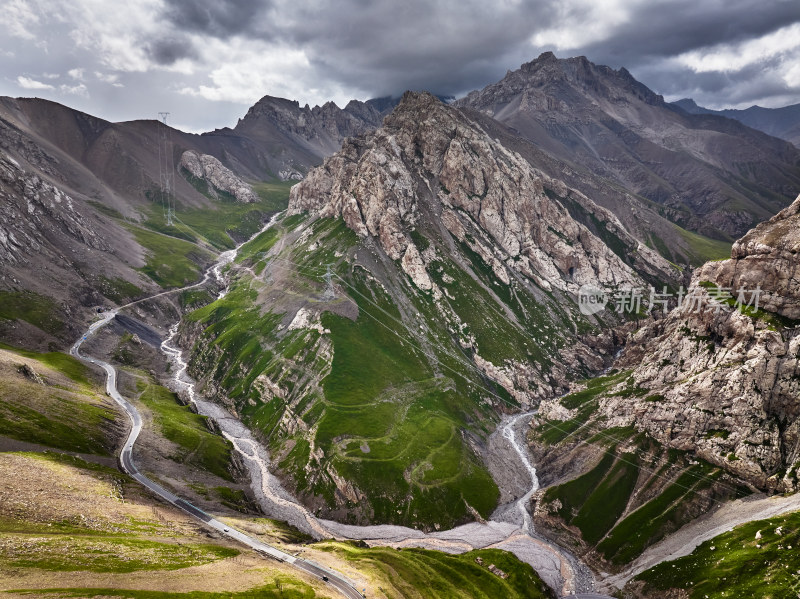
{"x": 216, "y": 176}
{"x": 728, "y": 376}
{"x": 703, "y": 401}
{"x": 430, "y": 162}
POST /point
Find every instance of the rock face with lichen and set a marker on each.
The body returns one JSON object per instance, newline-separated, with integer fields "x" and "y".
{"x": 724, "y": 380}
{"x": 429, "y": 157}
{"x": 217, "y": 176}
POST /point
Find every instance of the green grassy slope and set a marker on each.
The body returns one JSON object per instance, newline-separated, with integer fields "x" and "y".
{"x": 197, "y": 445}
{"x": 171, "y": 262}
{"x": 724, "y": 566}
{"x": 61, "y": 409}
{"x": 226, "y": 222}
{"x": 702, "y": 249}
{"x": 38, "y": 310}
{"x": 634, "y": 492}
{"x": 387, "y": 396}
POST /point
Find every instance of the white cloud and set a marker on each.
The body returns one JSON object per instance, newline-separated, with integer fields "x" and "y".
{"x": 243, "y": 71}
{"x": 28, "y": 83}
{"x": 792, "y": 75}
{"x": 114, "y": 31}
{"x": 583, "y": 22}
{"x": 19, "y": 17}
{"x": 75, "y": 90}
{"x": 110, "y": 78}
{"x": 76, "y": 74}
{"x": 734, "y": 57}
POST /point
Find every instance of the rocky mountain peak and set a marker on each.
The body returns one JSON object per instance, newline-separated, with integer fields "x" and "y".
{"x": 578, "y": 72}
{"x": 431, "y": 162}
{"x": 688, "y": 105}
{"x": 321, "y": 128}
{"x": 414, "y": 104}
{"x": 607, "y": 121}
{"x": 271, "y": 105}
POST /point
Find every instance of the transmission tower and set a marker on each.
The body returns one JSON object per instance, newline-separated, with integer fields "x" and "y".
{"x": 330, "y": 290}
{"x": 166, "y": 168}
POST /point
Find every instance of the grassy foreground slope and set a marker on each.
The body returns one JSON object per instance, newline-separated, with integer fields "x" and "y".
{"x": 723, "y": 566}
{"x": 72, "y": 525}
{"x": 630, "y": 491}
{"x": 69, "y": 528}
{"x": 49, "y": 399}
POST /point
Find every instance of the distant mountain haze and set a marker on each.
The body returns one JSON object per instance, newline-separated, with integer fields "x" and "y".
{"x": 780, "y": 122}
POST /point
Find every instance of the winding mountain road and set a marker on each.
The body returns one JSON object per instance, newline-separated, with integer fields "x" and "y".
{"x": 333, "y": 579}
{"x": 567, "y": 576}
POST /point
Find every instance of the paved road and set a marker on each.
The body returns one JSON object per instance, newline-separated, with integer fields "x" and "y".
{"x": 332, "y": 578}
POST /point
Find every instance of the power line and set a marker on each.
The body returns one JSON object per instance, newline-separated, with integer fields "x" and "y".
{"x": 166, "y": 168}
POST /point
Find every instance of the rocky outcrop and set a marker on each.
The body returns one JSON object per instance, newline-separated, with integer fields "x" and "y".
{"x": 218, "y": 177}
{"x": 29, "y": 208}
{"x": 429, "y": 157}
{"x": 767, "y": 257}
{"x": 724, "y": 380}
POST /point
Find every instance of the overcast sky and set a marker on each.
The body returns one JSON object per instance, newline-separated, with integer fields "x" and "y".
{"x": 207, "y": 61}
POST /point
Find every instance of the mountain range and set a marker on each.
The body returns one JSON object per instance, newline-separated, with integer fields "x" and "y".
{"x": 413, "y": 273}
{"x": 779, "y": 122}
{"x": 709, "y": 175}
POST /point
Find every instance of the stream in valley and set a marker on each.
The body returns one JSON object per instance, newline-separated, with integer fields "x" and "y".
{"x": 510, "y": 527}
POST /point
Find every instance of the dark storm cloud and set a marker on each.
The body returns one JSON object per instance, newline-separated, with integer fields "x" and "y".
{"x": 384, "y": 46}
{"x": 167, "y": 51}
{"x": 445, "y": 47}
{"x": 665, "y": 30}
{"x": 219, "y": 18}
